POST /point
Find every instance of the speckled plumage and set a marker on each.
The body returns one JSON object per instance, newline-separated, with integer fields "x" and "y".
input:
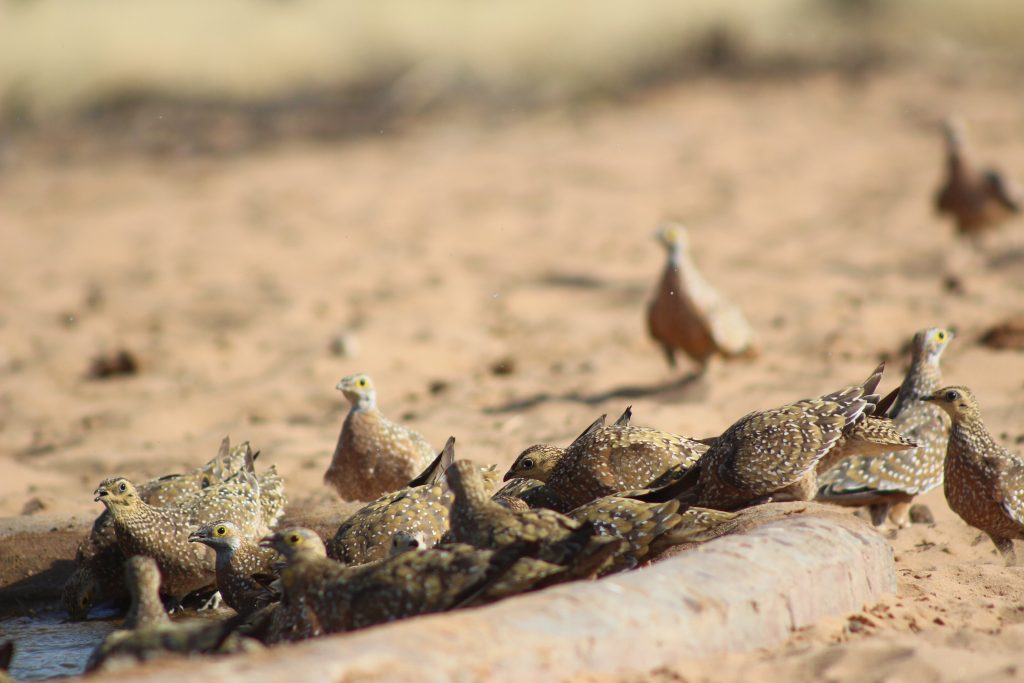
{"x": 648, "y": 528}
{"x": 610, "y": 459}
{"x": 983, "y": 481}
{"x": 689, "y": 314}
{"x": 99, "y": 560}
{"x": 162, "y": 532}
{"x": 306, "y": 569}
{"x": 373, "y": 455}
{"x": 481, "y": 522}
{"x": 406, "y": 585}
{"x": 772, "y": 451}
{"x": 142, "y": 577}
{"x": 419, "y": 509}
{"x": 243, "y": 570}
{"x": 976, "y": 198}
{"x": 522, "y": 494}
{"x": 889, "y": 481}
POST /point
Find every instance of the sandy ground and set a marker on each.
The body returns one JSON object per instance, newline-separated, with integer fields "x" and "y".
{"x": 460, "y": 246}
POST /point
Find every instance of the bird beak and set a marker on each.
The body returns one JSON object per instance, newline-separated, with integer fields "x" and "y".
{"x": 266, "y": 542}
{"x": 195, "y": 537}
{"x": 508, "y": 475}
{"x": 101, "y": 493}
{"x": 928, "y": 398}
{"x": 340, "y": 386}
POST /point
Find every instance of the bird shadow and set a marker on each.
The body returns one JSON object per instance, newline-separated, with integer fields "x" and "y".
{"x": 688, "y": 388}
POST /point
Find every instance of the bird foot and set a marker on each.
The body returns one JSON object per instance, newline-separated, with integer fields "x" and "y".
{"x": 213, "y": 603}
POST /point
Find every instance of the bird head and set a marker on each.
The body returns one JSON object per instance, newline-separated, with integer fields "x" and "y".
{"x": 673, "y": 236}
{"x": 220, "y": 534}
{"x": 78, "y": 592}
{"x": 929, "y": 343}
{"x": 116, "y": 492}
{"x": 536, "y": 462}
{"x": 959, "y": 402}
{"x": 295, "y": 542}
{"x": 405, "y": 541}
{"x": 359, "y": 390}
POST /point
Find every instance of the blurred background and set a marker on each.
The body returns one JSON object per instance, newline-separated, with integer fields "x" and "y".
{"x": 240, "y": 72}
{"x": 212, "y": 211}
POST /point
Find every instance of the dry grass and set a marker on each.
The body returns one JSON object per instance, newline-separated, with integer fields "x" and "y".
{"x": 59, "y": 55}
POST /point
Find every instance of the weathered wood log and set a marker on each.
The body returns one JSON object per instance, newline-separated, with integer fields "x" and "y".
{"x": 736, "y": 593}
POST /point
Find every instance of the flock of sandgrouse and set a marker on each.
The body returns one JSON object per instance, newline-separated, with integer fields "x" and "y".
{"x": 437, "y": 536}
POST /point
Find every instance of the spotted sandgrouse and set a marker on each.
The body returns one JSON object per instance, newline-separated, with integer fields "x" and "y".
{"x": 610, "y": 459}
{"x": 888, "y": 482}
{"x": 688, "y": 314}
{"x": 771, "y": 451}
{"x": 374, "y": 455}
{"x": 983, "y": 482}
{"x": 976, "y": 198}
{"x": 244, "y": 571}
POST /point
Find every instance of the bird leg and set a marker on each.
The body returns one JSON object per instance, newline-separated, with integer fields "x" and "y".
{"x": 899, "y": 514}
{"x": 1006, "y": 549}
{"x": 879, "y": 511}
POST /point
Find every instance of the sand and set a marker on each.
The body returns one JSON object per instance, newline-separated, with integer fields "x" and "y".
{"x": 491, "y": 273}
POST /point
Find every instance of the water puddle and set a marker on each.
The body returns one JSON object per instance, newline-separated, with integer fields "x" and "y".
{"x": 48, "y": 645}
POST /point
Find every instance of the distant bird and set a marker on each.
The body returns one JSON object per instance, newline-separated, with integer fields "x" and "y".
{"x": 374, "y": 455}
{"x": 888, "y": 482}
{"x": 142, "y": 577}
{"x": 604, "y": 460}
{"x": 984, "y": 482}
{"x": 977, "y": 198}
{"x": 688, "y": 314}
{"x": 774, "y": 452}
{"x": 244, "y": 571}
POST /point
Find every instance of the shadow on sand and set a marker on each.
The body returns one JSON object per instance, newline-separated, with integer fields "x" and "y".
{"x": 687, "y": 388}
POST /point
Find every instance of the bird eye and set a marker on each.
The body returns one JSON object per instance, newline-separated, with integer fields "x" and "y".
{"x": 122, "y": 487}
{"x": 952, "y": 395}
{"x": 294, "y": 539}
{"x": 221, "y": 531}
{"x": 362, "y": 382}
{"x": 206, "y": 482}
{"x": 413, "y": 543}
{"x": 940, "y": 335}
{"x": 527, "y": 463}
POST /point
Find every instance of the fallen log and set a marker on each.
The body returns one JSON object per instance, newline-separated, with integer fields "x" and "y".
{"x": 791, "y": 565}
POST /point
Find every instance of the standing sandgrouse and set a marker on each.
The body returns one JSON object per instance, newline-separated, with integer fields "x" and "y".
{"x": 887, "y": 483}
{"x": 374, "y": 455}
{"x": 983, "y": 482}
{"x": 775, "y": 451}
{"x": 689, "y": 314}
{"x": 976, "y": 198}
